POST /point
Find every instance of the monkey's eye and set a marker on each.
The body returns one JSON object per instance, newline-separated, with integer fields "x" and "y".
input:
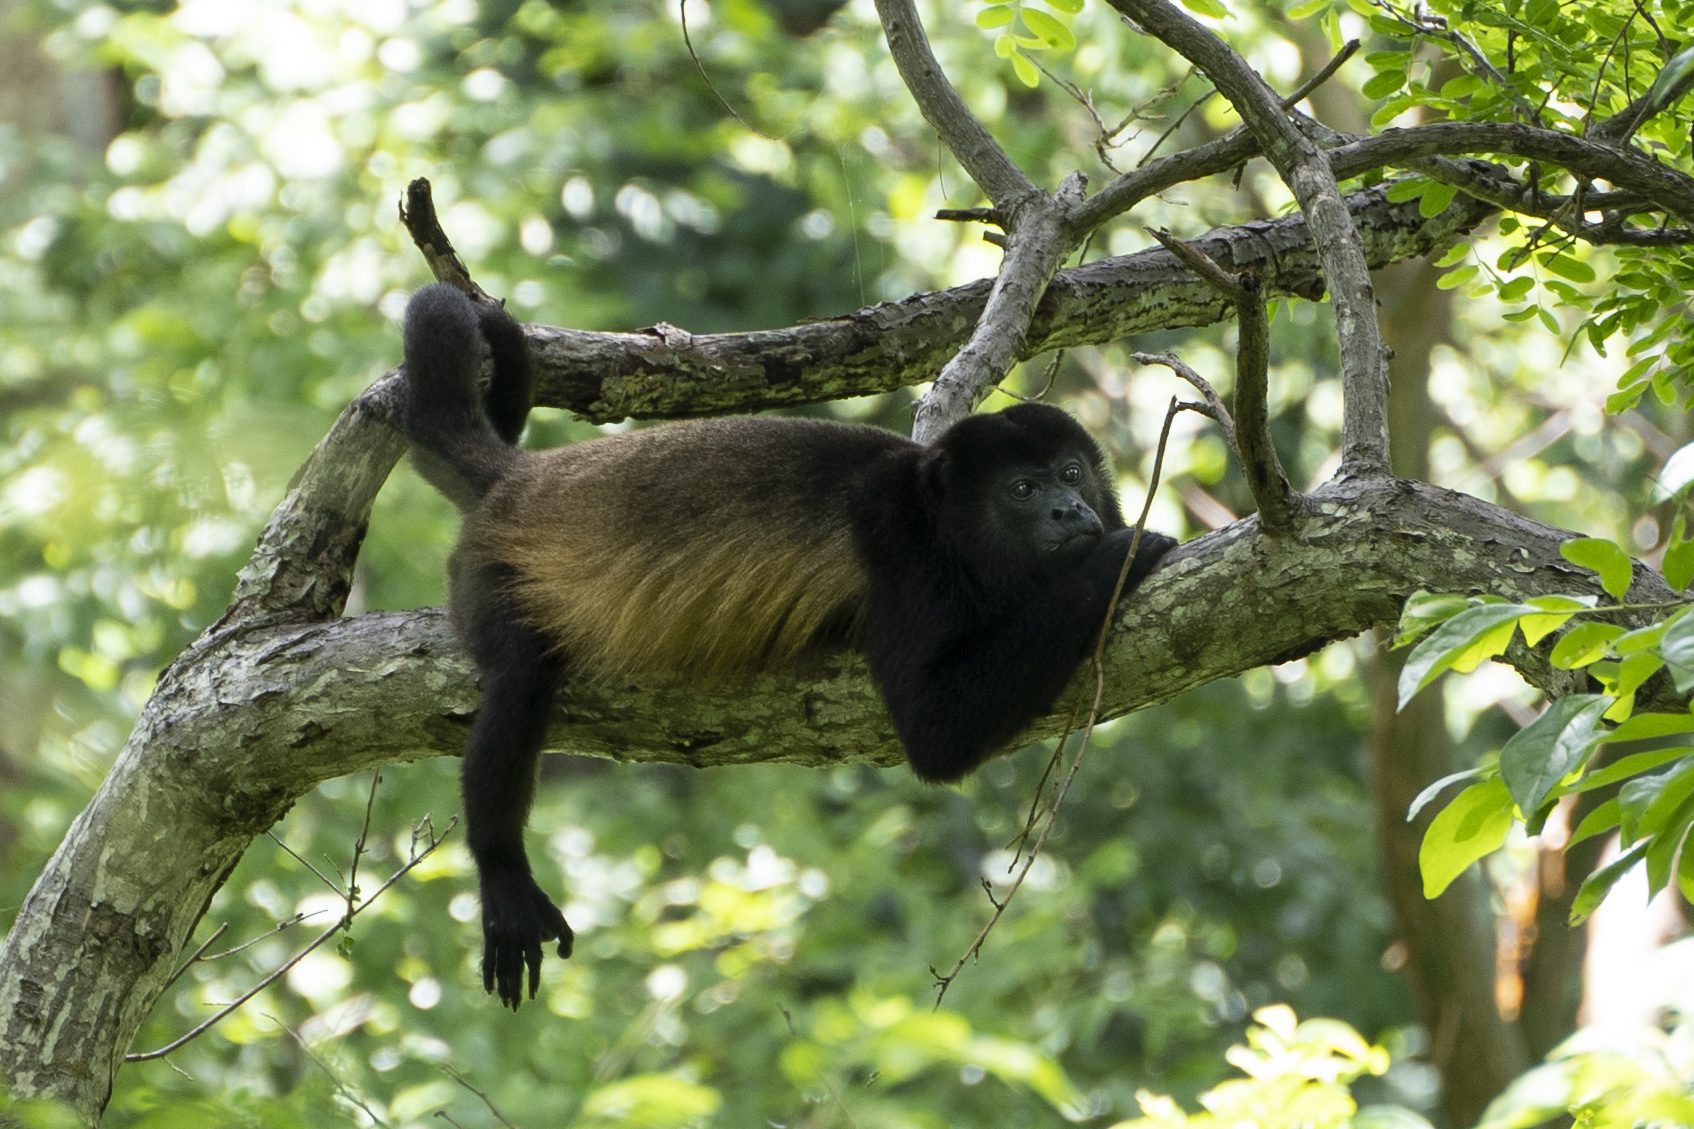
{"x": 1071, "y": 475}
{"x": 1023, "y": 489}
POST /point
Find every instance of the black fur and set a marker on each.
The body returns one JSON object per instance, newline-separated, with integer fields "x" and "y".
{"x": 977, "y": 575}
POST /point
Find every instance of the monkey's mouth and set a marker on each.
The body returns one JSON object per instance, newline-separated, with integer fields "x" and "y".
{"x": 1074, "y": 543}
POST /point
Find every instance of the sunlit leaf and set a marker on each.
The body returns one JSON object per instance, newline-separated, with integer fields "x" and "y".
{"x": 1583, "y": 644}
{"x": 1424, "y": 610}
{"x": 1604, "y": 557}
{"x": 1459, "y": 644}
{"x": 1568, "y": 266}
{"x": 1474, "y": 824}
{"x": 1025, "y": 70}
{"x": 1679, "y": 556}
{"x": 1598, "y": 884}
{"x": 1602, "y": 819}
{"x": 1537, "y": 627}
{"x": 1049, "y": 28}
{"x": 1438, "y": 787}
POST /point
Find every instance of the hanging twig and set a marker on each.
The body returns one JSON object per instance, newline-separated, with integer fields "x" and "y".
{"x": 1096, "y": 665}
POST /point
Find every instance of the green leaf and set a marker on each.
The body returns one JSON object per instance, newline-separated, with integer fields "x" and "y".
{"x": 1455, "y": 255}
{"x": 1560, "y": 608}
{"x": 1472, "y": 825}
{"x": 1307, "y": 8}
{"x": 1626, "y": 767}
{"x": 1459, "y": 644}
{"x": 1646, "y": 726}
{"x": 997, "y": 16}
{"x": 1211, "y": 8}
{"x": 1050, "y": 28}
{"x": 1457, "y": 277}
{"x": 1641, "y": 639}
{"x": 1435, "y": 201}
{"x": 1632, "y": 672}
{"x": 1666, "y": 844}
{"x": 1383, "y": 83}
{"x": 1679, "y": 556}
{"x": 1517, "y": 289}
{"x": 1597, "y": 822}
{"x": 1651, "y": 802}
{"x": 1438, "y": 787}
{"x": 1673, "y": 81}
{"x": 1604, "y": 557}
{"x": 1025, "y": 70}
{"x": 1068, "y": 7}
{"x": 1677, "y": 649}
{"x": 1543, "y": 752}
{"x": 1626, "y": 398}
{"x": 1601, "y": 881}
{"x": 1583, "y": 644}
{"x": 1407, "y": 189}
{"x": 1568, "y": 266}
{"x": 1424, "y": 610}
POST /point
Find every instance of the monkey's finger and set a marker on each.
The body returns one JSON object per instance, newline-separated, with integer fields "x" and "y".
{"x": 532, "y": 957}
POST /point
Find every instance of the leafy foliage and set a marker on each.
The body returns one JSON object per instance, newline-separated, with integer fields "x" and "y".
{"x": 1570, "y": 749}
{"x": 184, "y": 309}
{"x": 1298, "y": 1077}
{"x": 1025, "y": 28}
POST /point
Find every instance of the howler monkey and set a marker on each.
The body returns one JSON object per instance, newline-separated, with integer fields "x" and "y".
{"x": 972, "y": 573}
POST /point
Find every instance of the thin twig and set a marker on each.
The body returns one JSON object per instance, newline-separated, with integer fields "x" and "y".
{"x": 195, "y": 956}
{"x": 486, "y": 1100}
{"x": 359, "y": 848}
{"x": 303, "y": 861}
{"x": 341, "y": 1087}
{"x": 277, "y": 973}
{"x": 1096, "y": 664}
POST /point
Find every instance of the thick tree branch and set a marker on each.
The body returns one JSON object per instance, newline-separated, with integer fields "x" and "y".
{"x": 1665, "y": 188}
{"x": 301, "y": 568}
{"x": 1038, "y": 238}
{"x": 975, "y": 148}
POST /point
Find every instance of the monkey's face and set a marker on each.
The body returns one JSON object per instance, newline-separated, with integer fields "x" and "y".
{"x": 1041, "y": 514}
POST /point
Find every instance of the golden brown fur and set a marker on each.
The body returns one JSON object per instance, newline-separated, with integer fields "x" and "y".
{"x": 671, "y": 549}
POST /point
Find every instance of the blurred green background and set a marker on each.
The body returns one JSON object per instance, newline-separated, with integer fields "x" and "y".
{"x": 200, "y": 264}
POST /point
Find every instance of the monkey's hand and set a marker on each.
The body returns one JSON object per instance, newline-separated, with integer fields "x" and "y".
{"x": 516, "y": 918}
{"x": 1147, "y": 554}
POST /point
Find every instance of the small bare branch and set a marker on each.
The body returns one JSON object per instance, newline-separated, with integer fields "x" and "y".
{"x": 1265, "y": 477}
{"x": 282, "y": 970}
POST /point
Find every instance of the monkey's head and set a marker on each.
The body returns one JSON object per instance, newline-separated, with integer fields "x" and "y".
{"x": 1025, "y": 491}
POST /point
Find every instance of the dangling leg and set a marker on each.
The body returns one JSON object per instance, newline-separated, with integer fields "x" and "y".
{"x": 519, "y": 679}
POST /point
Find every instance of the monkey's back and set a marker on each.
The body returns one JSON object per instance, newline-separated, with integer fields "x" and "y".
{"x": 706, "y": 546}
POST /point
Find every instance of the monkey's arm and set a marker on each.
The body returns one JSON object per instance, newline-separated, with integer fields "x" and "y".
{"x": 961, "y": 693}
